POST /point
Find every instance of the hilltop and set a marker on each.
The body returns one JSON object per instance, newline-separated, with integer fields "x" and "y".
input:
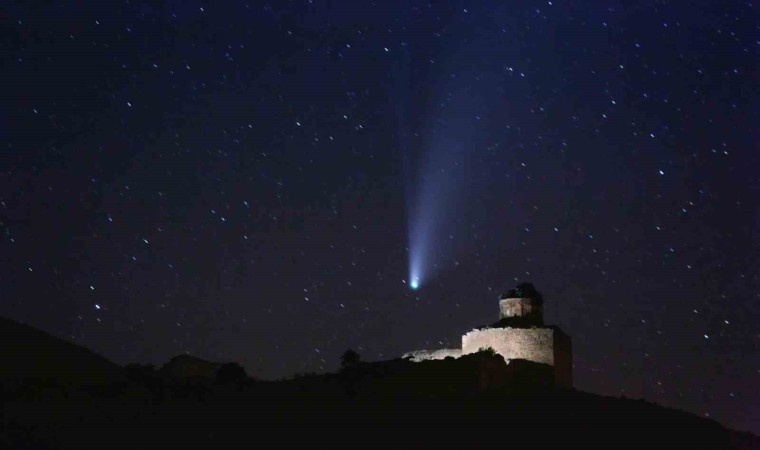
{"x": 474, "y": 400}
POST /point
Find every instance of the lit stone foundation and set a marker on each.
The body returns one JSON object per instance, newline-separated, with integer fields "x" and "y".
{"x": 425, "y": 355}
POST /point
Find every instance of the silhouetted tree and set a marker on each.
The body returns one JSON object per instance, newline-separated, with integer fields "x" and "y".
{"x": 487, "y": 350}
{"x": 349, "y": 359}
{"x": 140, "y": 373}
{"x": 230, "y": 373}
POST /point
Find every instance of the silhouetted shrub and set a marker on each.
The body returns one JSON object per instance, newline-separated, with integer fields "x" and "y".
{"x": 231, "y": 373}
{"x": 487, "y": 350}
{"x": 140, "y": 373}
{"x": 349, "y": 359}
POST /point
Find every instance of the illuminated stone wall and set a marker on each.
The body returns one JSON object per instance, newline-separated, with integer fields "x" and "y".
{"x": 424, "y": 355}
{"x": 519, "y": 334}
{"x": 533, "y": 344}
{"x": 546, "y": 345}
{"x": 519, "y": 307}
{"x": 542, "y": 345}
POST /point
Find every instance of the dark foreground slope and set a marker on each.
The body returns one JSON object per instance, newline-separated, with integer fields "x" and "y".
{"x": 460, "y": 403}
{"x": 27, "y": 353}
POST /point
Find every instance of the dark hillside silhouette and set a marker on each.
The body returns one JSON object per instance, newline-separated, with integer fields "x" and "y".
{"x": 472, "y": 401}
{"x": 27, "y": 353}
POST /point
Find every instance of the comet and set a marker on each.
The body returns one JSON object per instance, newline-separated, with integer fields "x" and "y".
{"x": 445, "y": 163}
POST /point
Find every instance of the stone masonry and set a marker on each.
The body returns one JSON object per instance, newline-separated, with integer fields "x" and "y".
{"x": 519, "y": 334}
{"x": 425, "y": 355}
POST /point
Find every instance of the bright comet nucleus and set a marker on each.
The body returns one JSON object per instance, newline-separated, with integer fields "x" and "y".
{"x": 415, "y": 283}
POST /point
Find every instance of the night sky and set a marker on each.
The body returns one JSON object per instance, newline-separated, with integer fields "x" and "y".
{"x": 259, "y": 182}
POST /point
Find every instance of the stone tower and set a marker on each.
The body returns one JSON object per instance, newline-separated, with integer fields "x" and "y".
{"x": 522, "y": 305}
{"x": 520, "y": 333}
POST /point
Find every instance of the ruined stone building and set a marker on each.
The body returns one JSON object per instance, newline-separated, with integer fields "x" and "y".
{"x": 520, "y": 333}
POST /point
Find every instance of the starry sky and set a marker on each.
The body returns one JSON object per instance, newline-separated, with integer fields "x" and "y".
{"x": 250, "y": 181}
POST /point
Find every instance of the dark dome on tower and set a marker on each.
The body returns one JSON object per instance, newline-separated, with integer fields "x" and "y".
{"x": 521, "y": 306}
{"x": 524, "y": 290}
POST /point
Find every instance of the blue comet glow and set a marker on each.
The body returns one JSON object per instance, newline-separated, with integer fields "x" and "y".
{"x": 445, "y": 162}
{"x": 429, "y": 220}
{"x": 415, "y": 266}
{"x": 441, "y": 198}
